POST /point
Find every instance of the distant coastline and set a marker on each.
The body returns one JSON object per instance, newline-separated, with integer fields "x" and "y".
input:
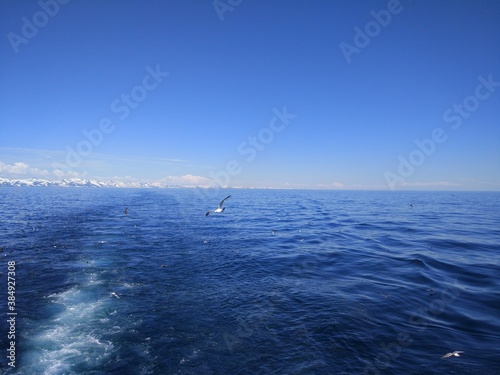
{"x": 79, "y": 182}
{"x": 95, "y": 183}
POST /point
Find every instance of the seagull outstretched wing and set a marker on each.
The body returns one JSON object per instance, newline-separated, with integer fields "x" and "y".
{"x": 453, "y": 354}
{"x": 222, "y": 201}
{"x": 220, "y": 208}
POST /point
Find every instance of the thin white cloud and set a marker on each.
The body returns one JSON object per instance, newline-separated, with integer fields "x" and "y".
{"x": 38, "y": 152}
{"x": 429, "y": 184}
{"x": 20, "y": 169}
{"x": 96, "y": 155}
{"x": 14, "y": 169}
{"x": 187, "y": 180}
{"x": 332, "y": 186}
{"x": 134, "y": 159}
{"x": 67, "y": 174}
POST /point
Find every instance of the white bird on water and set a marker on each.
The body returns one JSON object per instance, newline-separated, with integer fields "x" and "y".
{"x": 453, "y": 354}
{"x": 114, "y": 295}
{"x": 220, "y": 208}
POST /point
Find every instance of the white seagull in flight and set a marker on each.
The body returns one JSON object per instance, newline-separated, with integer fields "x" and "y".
{"x": 220, "y": 208}
{"x": 454, "y": 354}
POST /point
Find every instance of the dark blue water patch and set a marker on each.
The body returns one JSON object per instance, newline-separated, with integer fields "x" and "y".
{"x": 338, "y": 282}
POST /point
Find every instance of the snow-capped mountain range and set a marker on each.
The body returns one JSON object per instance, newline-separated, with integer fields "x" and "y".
{"x": 78, "y": 182}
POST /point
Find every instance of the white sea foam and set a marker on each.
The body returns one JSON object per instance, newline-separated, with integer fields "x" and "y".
{"x": 71, "y": 341}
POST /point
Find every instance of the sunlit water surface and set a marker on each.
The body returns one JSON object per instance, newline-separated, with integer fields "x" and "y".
{"x": 282, "y": 282}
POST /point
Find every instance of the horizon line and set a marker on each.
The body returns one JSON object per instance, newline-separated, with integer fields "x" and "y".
{"x": 110, "y": 183}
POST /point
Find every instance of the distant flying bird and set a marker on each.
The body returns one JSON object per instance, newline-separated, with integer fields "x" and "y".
{"x": 220, "y": 208}
{"x": 454, "y": 354}
{"x": 114, "y": 295}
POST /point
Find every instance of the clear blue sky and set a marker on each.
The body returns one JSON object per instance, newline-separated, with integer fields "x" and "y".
{"x": 354, "y": 104}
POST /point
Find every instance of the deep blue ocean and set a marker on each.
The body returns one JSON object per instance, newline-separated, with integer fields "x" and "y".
{"x": 281, "y": 282}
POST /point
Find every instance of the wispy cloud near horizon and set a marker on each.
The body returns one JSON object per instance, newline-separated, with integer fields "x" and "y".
{"x": 96, "y": 164}
{"x": 21, "y": 169}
